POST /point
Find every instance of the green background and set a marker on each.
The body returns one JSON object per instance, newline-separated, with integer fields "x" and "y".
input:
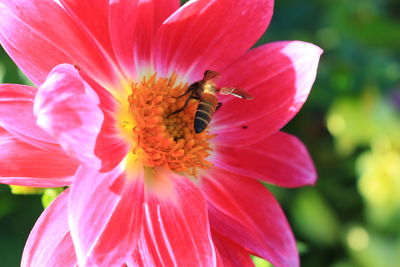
{"x": 350, "y": 124}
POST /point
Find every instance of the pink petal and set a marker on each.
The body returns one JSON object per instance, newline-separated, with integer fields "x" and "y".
{"x": 110, "y": 147}
{"x": 38, "y": 35}
{"x": 49, "y": 243}
{"x": 67, "y": 108}
{"x": 123, "y": 28}
{"x": 36, "y": 181}
{"x": 208, "y": 34}
{"x": 176, "y": 228}
{"x": 24, "y": 164}
{"x": 280, "y": 79}
{"x": 142, "y": 256}
{"x": 105, "y": 211}
{"x": 232, "y": 255}
{"x": 92, "y": 18}
{"x": 132, "y": 27}
{"x": 280, "y": 159}
{"x": 244, "y": 211}
{"x": 16, "y": 115}
{"x": 162, "y": 10}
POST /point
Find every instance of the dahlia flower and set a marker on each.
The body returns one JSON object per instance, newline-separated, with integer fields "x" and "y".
{"x": 143, "y": 188}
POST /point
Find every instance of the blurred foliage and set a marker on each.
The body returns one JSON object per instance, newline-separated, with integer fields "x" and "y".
{"x": 25, "y": 190}
{"x": 50, "y": 194}
{"x": 350, "y": 124}
{"x": 259, "y": 262}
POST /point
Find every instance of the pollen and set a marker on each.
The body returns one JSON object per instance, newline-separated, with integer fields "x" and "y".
{"x": 163, "y": 140}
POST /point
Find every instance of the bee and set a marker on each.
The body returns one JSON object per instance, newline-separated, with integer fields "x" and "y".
{"x": 205, "y": 91}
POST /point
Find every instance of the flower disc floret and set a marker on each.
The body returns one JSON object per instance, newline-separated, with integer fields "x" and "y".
{"x": 163, "y": 140}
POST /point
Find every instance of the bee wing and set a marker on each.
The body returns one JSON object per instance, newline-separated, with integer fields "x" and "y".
{"x": 211, "y": 75}
{"x": 235, "y": 91}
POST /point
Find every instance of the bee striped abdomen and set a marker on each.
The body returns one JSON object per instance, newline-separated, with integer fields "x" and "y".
{"x": 205, "y": 111}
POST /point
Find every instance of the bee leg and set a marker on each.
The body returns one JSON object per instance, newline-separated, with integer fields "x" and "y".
{"x": 219, "y": 104}
{"x": 182, "y": 108}
{"x": 188, "y": 91}
{"x": 185, "y": 93}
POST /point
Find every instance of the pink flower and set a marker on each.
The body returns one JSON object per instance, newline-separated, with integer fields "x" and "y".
{"x": 144, "y": 188}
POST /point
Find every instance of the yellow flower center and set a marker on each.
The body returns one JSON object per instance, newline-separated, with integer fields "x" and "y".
{"x": 162, "y": 140}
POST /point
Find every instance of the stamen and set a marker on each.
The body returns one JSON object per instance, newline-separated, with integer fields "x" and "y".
{"x": 162, "y": 140}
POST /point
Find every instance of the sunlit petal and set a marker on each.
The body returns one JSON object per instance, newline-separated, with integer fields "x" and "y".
{"x": 105, "y": 215}
{"x": 67, "y": 108}
{"x": 39, "y": 34}
{"x": 236, "y": 212}
{"x": 209, "y": 35}
{"x": 49, "y": 243}
{"x": 280, "y": 159}
{"x": 16, "y": 115}
{"x": 176, "y": 229}
{"x": 280, "y": 79}
{"x": 24, "y": 164}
